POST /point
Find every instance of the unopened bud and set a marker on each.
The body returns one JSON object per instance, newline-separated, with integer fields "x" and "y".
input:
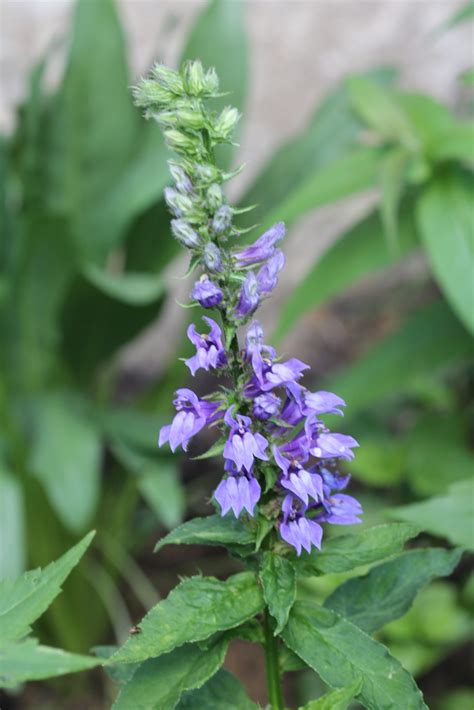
{"x": 212, "y": 257}
{"x": 182, "y": 180}
{"x": 179, "y": 141}
{"x": 179, "y": 204}
{"x": 222, "y": 220}
{"x": 185, "y": 234}
{"x": 190, "y": 119}
{"x": 226, "y": 122}
{"x": 214, "y": 197}
{"x": 211, "y": 81}
{"x": 149, "y": 93}
{"x": 168, "y": 78}
{"x": 194, "y": 78}
{"x": 206, "y": 172}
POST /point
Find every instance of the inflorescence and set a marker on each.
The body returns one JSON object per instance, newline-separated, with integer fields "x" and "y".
{"x": 279, "y": 457}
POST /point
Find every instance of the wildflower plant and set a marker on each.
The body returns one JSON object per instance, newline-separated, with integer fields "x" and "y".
{"x": 282, "y": 486}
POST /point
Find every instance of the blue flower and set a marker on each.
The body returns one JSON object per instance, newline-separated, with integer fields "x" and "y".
{"x": 263, "y": 248}
{"x": 248, "y": 297}
{"x": 210, "y": 351}
{"x": 243, "y": 445}
{"x": 207, "y": 293}
{"x": 297, "y": 479}
{"x": 192, "y": 415}
{"x": 267, "y": 276}
{"x": 238, "y": 491}
{"x": 297, "y": 530}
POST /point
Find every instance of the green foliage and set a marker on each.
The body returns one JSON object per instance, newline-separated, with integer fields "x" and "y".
{"x": 336, "y": 700}
{"x": 222, "y": 692}
{"x": 342, "y": 654}
{"x": 213, "y": 530}
{"x": 12, "y": 526}
{"x": 279, "y": 587}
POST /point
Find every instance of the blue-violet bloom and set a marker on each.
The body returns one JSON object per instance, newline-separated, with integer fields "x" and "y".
{"x": 210, "y": 351}
{"x": 207, "y": 293}
{"x": 192, "y": 415}
{"x": 243, "y": 445}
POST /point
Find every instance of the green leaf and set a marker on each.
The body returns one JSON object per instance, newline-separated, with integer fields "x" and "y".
{"x": 357, "y": 253}
{"x": 446, "y": 225}
{"x": 27, "y": 660}
{"x": 213, "y": 530}
{"x": 66, "y": 458}
{"x": 388, "y": 590}
{"x": 215, "y": 450}
{"x": 346, "y": 552}
{"x": 336, "y": 700}
{"x": 351, "y": 173}
{"x": 395, "y": 365}
{"x": 343, "y": 654}
{"x": 196, "y": 609}
{"x": 157, "y": 684}
{"x": 222, "y": 692}
{"x": 12, "y": 526}
{"x": 24, "y": 599}
{"x": 455, "y": 143}
{"x": 391, "y": 182}
{"x": 131, "y": 288}
{"x": 466, "y": 12}
{"x": 279, "y": 587}
{"x": 450, "y": 515}
{"x": 160, "y": 485}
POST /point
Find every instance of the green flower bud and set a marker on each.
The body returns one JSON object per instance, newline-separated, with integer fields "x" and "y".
{"x": 211, "y": 81}
{"x": 225, "y": 123}
{"x": 181, "y": 142}
{"x": 149, "y": 93}
{"x": 206, "y": 172}
{"x": 214, "y": 197}
{"x": 194, "y": 80}
{"x": 190, "y": 119}
{"x": 169, "y": 79}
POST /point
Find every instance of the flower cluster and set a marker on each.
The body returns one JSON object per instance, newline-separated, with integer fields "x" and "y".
{"x": 279, "y": 456}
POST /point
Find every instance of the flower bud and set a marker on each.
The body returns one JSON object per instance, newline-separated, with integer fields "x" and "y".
{"x": 194, "y": 79}
{"x": 185, "y": 234}
{"x": 206, "y": 172}
{"x": 222, "y": 219}
{"x": 149, "y": 93}
{"x": 190, "y": 119}
{"x": 214, "y": 197}
{"x": 248, "y": 297}
{"x": 179, "y": 204}
{"x": 225, "y": 123}
{"x": 212, "y": 257}
{"x": 211, "y": 81}
{"x": 168, "y": 78}
{"x": 181, "y": 178}
{"x": 179, "y": 141}
{"x": 207, "y": 293}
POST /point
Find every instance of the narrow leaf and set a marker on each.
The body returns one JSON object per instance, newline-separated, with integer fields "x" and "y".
{"x": 391, "y": 183}
{"x": 336, "y": 700}
{"x": 213, "y": 530}
{"x": 343, "y": 654}
{"x": 279, "y": 587}
{"x": 196, "y": 609}
{"x": 388, "y": 590}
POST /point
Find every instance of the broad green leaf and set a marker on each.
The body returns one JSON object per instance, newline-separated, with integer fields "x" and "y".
{"x": 429, "y": 118}
{"x": 12, "y": 526}
{"x": 431, "y": 340}
{"x": 213, "y": 530}
{"x": 455, "y": 143}
{"x": 132, "y": 288}
{"x": 27, "y": 660}
{"x": 343, "y": 654}
{"x": 450, "y": 515}
{"x": 357, "y": 253}
{"x": 279, "y": 587}
{"x": 446, "y": 223}
{"x": 351, "y": 173}
{"x": 23, "y": 600}
{"x": 157, "y": 684}
{"x": 196, "y": 609}
{"x": 222, "y": 692}
{"x": 160, "y": 485}
{"x": 346, "y": 552}
{"x": 66, "y": 457}
{"x": 388, "y": 590}
{"x": 379, "y": 107}
{"x": 336, "y": 700}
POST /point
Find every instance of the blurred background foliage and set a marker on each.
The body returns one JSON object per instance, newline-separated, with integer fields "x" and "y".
{"x": 84, "y": 254}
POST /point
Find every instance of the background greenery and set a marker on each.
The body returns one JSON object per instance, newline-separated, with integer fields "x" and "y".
{"x": 85, "y": 244}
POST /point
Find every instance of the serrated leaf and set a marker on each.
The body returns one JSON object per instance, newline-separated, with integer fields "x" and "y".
{"x": 446, "y": 225}
{"x": 195, "y": 610}
{"x": 279, "y": 587}
{"x": 450, "y": 515}
{"x": 222, "y": 692}
{"x": 388, "y": 590}
{"x": 346, "y": 552}
{"x": 27, "y": 660}
{"x": 213, "y": 530}
{"x": 336, "y": 700}
{"x": 343, "y": 654}
{"x": 157, "y": 684}
{"x": 129, "y": 287}
{"x": 24, "y": 599}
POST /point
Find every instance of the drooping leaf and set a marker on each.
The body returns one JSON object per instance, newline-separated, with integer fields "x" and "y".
{"x": 222, "y": 692}
{"x": 132, "y": 288}
{"x": 346, "y": 552}
{"x": 450, "y": 515}
{"x": 24, "y": 599}
{"x": 359, "y": 252}
{"x": 446, "y": 224}
{"x": 158, "y": 684}
{"x": 388, "y": 590}
{"x": 335, "y": 700}
{"x": 27, "y": 660}
{"x": 279, "y": 587}
{"x": 12, "y": 526}
{"x": 66, "y": 457}
{"x": 213, "y": 530}
{"x": 343, "y": 654}
{"x": 196, "y": 609}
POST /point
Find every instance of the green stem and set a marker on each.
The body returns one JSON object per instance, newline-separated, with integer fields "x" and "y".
{"x": 275, "y": 697}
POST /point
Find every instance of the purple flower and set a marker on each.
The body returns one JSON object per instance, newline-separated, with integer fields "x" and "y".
{"x": 243, "y": 445}
{"x": 267, "y": 276}
{"x": 263, "y": 248}
{"x": 209, "y": 348}
{"x": 192, "y": 415}
{"x": 238, "y": 491}
{"x": 271, "y": 374}
{"x": 332, "y": 480}
{"x": 341, "y": 509}
{"x": 207, "y": 293}
{"x": 332, "y": 446}
{"x": 249, "y": 296}
{"x": 296, "y": 479}
{"x": 212, "y": 258}
{"x": 296, "y": 530}
{"x": 266, "y": 405}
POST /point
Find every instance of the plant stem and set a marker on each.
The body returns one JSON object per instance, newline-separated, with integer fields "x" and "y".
{"x": 275, "y": 697}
